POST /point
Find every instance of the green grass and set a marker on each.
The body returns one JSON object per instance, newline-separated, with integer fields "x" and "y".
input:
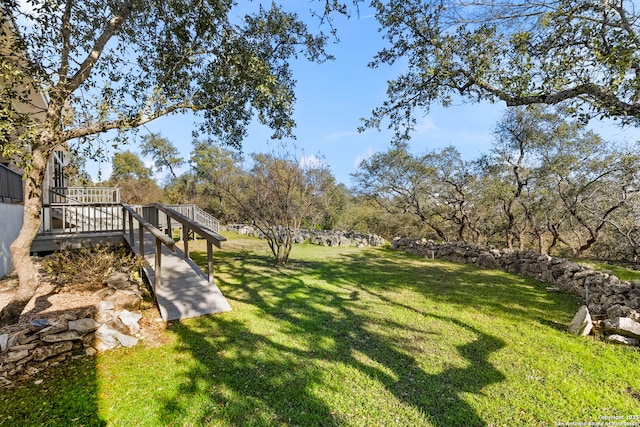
{"x": 621, "y": 272}
{"x": 350, "y": 337}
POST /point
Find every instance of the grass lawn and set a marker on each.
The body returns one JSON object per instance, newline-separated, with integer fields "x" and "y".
{"x": 350, "y": 337}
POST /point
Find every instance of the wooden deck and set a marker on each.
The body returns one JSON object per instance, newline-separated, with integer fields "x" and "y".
{"x": 185, "y": 290}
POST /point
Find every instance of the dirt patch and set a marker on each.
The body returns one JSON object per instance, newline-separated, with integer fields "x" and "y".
{"x": 51, "y": 299}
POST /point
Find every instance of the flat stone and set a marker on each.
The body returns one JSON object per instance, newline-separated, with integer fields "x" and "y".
{"x": 63, "y": 336}
{"x": 37, "y": 325}
{"x": 24, "y": 347}
{"x": 622, "y": 326}
{"x": 619, "y": 339}
{"x": 127, "y": 341}
{"x": 83, "y": 325}
{"x": 14, "y": 356}
{"x": 4, "y": 341}
{"x": 45, "y": 352}
{"x": 110, "y": 338}
{"x": 53, "y": 329}
{"x": 581, "y": 323}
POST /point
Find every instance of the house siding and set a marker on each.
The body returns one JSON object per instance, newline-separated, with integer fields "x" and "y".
{"x": 11, "y": 223}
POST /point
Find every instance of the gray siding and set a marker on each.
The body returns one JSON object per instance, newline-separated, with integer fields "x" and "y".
{"x": 11, "y": 218}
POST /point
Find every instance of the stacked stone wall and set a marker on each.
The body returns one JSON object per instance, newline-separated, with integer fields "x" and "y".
{"x": 318, "y": 237}
{"x": 608, "y": 298}
{"x": 47, "y": 341}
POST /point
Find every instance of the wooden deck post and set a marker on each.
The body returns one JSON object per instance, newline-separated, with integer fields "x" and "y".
{"x": 131, "y": 228}
{"x": 185, "y": 240}
{"x": 141, "y": 238}
{"x": 158, "y": 274}
{"x": 210, "y": 261}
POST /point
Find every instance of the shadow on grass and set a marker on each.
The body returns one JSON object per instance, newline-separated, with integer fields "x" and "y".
{"x": 64, "y": 395}
{"x": 255, "y": 376}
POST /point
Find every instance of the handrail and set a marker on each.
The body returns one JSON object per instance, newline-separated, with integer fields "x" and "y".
{"x": 80, "y": 218}
{"x": 160, "y": 237}
{"x": 188, "y": 224}
{"x": 198, "y": 215}
{"x": 91, "y": 195}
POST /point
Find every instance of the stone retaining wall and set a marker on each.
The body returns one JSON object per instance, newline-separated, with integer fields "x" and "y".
{"x": 47, "y": 341}
{"x": 609, "y": 299}
{"x": 318, "y": 237}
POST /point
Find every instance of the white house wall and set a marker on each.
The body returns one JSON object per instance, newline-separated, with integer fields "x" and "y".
{"x": 11, "y": 223}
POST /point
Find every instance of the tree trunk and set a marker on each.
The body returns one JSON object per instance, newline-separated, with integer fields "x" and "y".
{"x": 28, "y": 274}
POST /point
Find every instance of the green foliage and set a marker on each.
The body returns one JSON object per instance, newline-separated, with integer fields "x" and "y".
{"x": 278, "y": 194}
{"x": 548, "y": 184}
{"x": 580, "y": 53}
{"x": 128, "y": 165}
{"x": 90, "y": 266}
{"x": 164, "y": 154}
{"x": 409, "y": 341}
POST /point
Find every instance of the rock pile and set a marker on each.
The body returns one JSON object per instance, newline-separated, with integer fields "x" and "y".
{"x": 614, "y": 304}
{"x": 48, "y": 341}
{"x": 318, "y": 237}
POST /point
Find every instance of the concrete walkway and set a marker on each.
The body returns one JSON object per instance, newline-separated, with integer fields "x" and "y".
{"x": 185, "y": 290}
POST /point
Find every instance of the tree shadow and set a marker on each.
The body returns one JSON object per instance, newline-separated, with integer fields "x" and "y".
{"x": 260, "y": 378}
{"x": 64, "y": 394}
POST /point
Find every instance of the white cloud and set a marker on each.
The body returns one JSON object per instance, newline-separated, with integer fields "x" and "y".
{"x": 363, "y": 156}
{"x": 310, "y": 162}
{"x": 426, "y": 125}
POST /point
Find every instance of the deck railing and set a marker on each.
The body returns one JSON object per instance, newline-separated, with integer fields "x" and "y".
{"x": 198, "y": 215}
{"x": 11, "y": 190}
{"x": 189, "y": 225}
{"x": 67, "y": 218}
{"x": 90, "y": 195}
{"x": 130, "y": 214}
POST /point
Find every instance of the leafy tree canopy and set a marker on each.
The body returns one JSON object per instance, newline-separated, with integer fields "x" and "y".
{"x": 120, "y": 64}
{"x": 584, "y": 53}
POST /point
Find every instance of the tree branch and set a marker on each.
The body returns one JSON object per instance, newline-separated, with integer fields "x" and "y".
{"x": 87, "y": 65}
{"x": 66, "y": 44}
{"x": 126, "y": 123}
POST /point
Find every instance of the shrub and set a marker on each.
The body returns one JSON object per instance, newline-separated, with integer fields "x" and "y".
{"x": 89, "y": 266}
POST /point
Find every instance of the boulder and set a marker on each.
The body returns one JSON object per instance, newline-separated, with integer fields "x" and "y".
{"x": 581, "y": 323}
{"x": 125, "y": 300}
{"x": 105, "y": 339}
{"x": 118, "y": 280}
{"x": 486, "y": 260}
{"x": 622, "y": 326}
{"x": 106, "y": 305}
{"x": 618, "y": 310}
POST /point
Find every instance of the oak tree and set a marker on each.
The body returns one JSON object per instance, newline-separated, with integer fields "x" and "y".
{"x": 585, "y": 54}
{"x": 121, "y": 64}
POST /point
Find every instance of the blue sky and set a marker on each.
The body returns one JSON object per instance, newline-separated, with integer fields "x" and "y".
{"x": 331, "y": 99}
